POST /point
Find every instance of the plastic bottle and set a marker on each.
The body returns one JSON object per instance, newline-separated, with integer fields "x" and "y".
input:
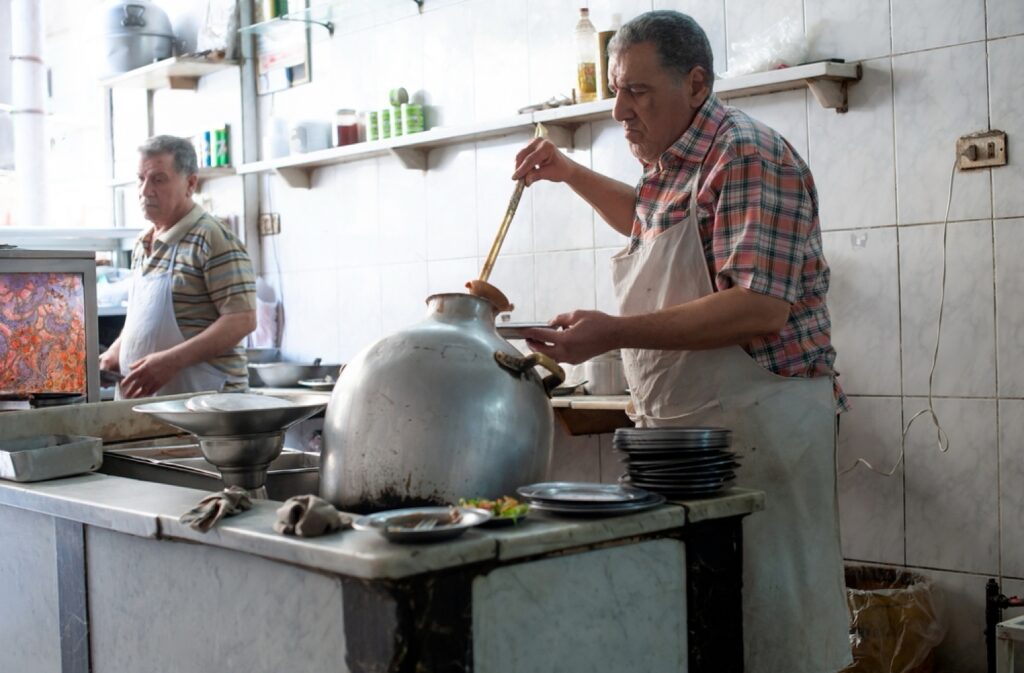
{"x": 586, "y": 58}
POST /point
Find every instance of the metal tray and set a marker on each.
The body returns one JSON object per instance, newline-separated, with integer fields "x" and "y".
{"x": 181, "y": 463}
{"x": 49, "y": 457}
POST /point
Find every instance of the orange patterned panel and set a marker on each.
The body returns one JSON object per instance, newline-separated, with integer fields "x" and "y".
{"x": 42, "y": 333}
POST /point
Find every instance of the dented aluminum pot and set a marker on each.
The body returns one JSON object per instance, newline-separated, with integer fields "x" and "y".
{"x": 442, "y": 410}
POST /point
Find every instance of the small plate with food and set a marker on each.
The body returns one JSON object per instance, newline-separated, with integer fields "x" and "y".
{"x": 422, "y": 524}
{"x": 505, "y": 511}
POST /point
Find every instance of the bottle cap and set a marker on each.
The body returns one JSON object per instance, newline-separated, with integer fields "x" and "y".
{"x": 345, "y": 111}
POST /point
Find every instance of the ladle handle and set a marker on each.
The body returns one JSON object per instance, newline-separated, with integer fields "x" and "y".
{"x": 499, "y": 238}
{"x": 510, "y": 212}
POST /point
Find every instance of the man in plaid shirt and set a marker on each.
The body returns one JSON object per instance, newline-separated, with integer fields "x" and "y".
{"x": 723, "y": 319}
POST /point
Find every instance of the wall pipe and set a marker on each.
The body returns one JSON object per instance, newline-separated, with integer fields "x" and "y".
{"x": 28, "y": 103}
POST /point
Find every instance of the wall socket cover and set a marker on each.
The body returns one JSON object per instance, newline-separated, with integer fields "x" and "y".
{"x": 269, "y": 224}
{"x": 981, "y": 150}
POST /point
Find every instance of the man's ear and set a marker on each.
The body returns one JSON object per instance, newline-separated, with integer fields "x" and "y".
{"x": 699, "y": 83}
{"x": 193, "y": 182}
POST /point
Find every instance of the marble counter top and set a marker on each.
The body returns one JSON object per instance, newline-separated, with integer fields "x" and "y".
{"x": 151, "y": 510}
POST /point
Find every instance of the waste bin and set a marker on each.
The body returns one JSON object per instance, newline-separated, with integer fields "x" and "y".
{"x": 895, "y": 620}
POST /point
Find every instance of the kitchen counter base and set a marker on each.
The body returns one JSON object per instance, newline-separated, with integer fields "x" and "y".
{"x": 646, "y": 592}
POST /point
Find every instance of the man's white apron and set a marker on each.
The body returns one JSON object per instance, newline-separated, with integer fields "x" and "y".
{"x": 794, "y": 607}
{"x": 150, "y": 326}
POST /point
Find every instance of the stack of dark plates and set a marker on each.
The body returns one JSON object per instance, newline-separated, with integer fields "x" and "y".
{"x": 677, "y": 462}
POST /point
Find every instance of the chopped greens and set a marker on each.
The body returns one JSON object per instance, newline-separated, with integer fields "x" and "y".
{"x": 501, "y": 508}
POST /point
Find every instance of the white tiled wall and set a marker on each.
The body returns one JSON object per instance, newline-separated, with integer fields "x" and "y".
{"x": 360, "y": 251}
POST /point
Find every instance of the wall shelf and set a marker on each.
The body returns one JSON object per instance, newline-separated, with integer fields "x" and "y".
{"x": 205, "y": 173}
{"x": 46, "y": 238}
{"x": 171, "y": 73}
{"x": 828, "y": 82}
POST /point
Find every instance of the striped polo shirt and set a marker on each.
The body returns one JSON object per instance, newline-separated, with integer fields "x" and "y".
{"x": 213, "y": 275}
{"x": 758, "y": 219}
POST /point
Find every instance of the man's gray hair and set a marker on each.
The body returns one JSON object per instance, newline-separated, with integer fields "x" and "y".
{"x": 185, "y": 162}
{"x": 679, "y": 41}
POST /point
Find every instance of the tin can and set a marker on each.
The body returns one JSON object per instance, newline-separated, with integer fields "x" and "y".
{"x": 207, "y": 157}
{"x": 384, "y": 123}
{"x": 412, "y": 117}
{"x": 220, "y": 144}
{"x": 372, "y": 132}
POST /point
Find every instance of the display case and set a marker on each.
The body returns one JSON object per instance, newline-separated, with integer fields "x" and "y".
{"x": 48, "y": 326}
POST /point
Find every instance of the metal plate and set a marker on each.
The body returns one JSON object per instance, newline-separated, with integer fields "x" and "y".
{"x": 603, "y": 509}
{"x": 580, "y": 493}
{"x": 700, "y": 433}
{"x": 514, "y": 330}
{"x": 384, "y": 523}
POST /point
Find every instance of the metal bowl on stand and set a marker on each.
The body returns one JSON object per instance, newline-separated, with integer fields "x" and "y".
{"x": 242, "y": 443}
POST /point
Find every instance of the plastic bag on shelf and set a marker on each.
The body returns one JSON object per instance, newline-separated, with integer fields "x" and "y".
{"x": 782, "y": 44}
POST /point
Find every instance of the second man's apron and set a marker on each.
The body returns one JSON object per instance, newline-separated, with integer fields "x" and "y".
{"x": 150, "y": 326}
{"x": 794, "y": 606}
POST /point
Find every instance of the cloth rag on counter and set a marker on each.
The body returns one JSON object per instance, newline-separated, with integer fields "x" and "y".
{"x": 309, "y": 516}
{"x": 215, "y": 507}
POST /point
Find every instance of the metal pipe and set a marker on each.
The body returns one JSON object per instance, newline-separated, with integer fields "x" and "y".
{"x": 28, "y": 98}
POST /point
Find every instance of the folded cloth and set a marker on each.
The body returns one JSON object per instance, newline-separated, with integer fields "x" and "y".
{"x": 215, "y": 507}
{"x": 309, "y": 516}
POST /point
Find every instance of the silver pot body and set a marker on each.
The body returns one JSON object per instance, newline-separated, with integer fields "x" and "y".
{"x": 428, "y": 415}
{"x": 135, "y": 34}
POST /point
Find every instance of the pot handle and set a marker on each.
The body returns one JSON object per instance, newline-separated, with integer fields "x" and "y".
{"x": 133, "y": 16}
{"x": 520, "y": 365}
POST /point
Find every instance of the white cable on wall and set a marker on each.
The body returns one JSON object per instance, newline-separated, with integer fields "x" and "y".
{"x": 942, "y": 440}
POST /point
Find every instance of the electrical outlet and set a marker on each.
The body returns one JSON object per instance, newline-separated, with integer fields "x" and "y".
{"x": 981, "y": 150}
{"x": 270, "y": 224}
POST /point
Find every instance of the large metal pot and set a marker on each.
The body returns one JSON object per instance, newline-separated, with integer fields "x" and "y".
{"x": 441, "y": 410}
{"x": 135, "y": 33}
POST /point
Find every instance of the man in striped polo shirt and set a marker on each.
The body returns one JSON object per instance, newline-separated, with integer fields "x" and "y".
{"x": 193, "y": 293}
{"x": 723, "y": 320}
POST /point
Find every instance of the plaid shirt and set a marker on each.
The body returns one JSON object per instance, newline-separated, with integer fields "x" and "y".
{"x": 758, "y": 216}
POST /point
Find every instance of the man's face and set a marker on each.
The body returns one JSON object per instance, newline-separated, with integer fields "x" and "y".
{"x": 164, "y": 194}
{"x": 654, "y": 105}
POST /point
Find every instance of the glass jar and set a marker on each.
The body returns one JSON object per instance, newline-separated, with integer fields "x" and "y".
{"x": 347, "y": 125}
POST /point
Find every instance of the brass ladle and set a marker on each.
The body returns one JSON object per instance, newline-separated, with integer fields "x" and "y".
{"x": 480, "y": 287}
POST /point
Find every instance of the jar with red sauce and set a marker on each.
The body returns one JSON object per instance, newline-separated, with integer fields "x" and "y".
{"x": 347, "y": 124}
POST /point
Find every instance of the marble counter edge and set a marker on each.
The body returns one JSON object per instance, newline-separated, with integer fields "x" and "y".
{"x": 529, "y": 540}
{"x": 358, "y": 554}
{"x": 118, "y": 504}
{"x": 734, "y": 502}
{"x": 151, "y": 510}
